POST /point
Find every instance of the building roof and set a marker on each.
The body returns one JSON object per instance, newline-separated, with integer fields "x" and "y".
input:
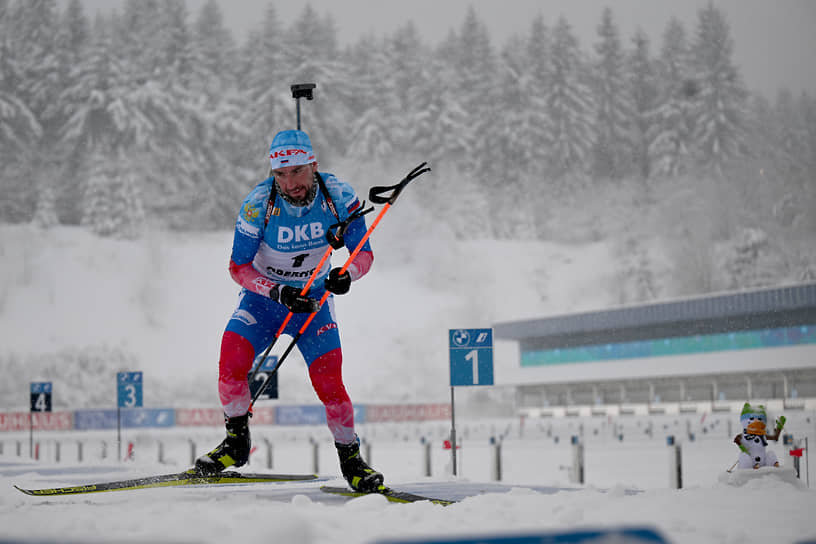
{"x": 765, "y": 308}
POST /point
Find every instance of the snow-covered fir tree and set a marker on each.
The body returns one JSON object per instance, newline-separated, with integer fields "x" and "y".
{"x": 410, "y": 77}
{"x": 520, "y": 136}
{"x": 524, "y": 91}
{"x": 268, "y": 104}
{"x": 45, "y": 214}
{"x": 438, "y": 131}
{"x": 570, "y": 106}
{"x": 643, "y": 89}
{"x": 214, "y": 63}
{"x": 312, "y": 55}
{"x": 613, "y": 103}
{"x": 671, "y": 122}
{"x": 20, "y": 129}
{"x": 32, "y": 68}
{"x": 33, "y": 30}
{"x": 719, "y": 107}
{"x": 113, "y": 203}
{"x": 74, "y": 34}
{"x": 371, "y": 136}
{"x": 174, "y": 42}
{"x": 474, "y": 62}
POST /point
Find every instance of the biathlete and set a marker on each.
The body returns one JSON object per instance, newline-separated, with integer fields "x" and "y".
{"x": 280, "y": 238}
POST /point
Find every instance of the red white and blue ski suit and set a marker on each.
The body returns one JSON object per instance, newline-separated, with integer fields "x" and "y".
{"x": 285, "y": 251}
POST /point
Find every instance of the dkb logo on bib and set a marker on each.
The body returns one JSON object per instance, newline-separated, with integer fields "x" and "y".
{"x": 300, "y": 233}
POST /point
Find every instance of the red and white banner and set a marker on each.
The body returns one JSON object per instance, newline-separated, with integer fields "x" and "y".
{"x": 214, "y": 417}
{"x": 406, "y": 412}
{"x": 40, "y": 421}
{"x": 199, "y": 417}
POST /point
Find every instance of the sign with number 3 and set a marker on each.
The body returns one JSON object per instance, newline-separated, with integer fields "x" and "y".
{"x": 129, "y": 389}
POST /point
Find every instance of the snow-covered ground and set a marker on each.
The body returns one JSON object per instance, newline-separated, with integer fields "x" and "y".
{"x": 627, "y": 485}
{"x": 159, "y": 305}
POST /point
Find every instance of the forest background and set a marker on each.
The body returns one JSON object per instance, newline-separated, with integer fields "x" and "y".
{"x": 153, "y": 117}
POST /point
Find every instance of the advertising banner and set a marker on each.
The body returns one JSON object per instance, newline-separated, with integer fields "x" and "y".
{"x": 140, "y": 417}
{"x": 301, "y": 415}
{"x": 200, "y": 417}
{"x": 43, "y": 421}
{"x": 214, "y": 417}
{"x": 311, "y": 415}
{"x": 407, "y": 412}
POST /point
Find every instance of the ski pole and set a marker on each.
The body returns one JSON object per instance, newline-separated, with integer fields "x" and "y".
{"x": 374, "y": 195}
{"x": 335, "y": 238}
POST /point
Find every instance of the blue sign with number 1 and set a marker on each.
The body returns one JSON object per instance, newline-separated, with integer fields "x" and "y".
{"x": 129, "y": 389}
{"x": 471, "y": 356}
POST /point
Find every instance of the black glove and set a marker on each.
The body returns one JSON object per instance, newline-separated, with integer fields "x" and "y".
{"x": 291, "y": 298}
{"x": 338, "y": 283}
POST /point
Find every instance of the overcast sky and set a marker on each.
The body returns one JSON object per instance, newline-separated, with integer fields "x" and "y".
{"x": 775, "y": 39}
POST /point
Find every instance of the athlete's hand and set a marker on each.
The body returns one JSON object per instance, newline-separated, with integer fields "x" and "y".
{"x": 291, "y": 298}
{"x": 338, "y": 283}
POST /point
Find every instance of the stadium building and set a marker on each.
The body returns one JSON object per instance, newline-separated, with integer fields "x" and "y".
{"x": 709, "y": 353}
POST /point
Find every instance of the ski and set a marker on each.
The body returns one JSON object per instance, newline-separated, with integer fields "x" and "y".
{"x": 168, "y": 480}
{"x": 392, "y": 495}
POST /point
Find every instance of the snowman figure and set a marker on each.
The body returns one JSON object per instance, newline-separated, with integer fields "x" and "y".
{"x": 753, "y": 440}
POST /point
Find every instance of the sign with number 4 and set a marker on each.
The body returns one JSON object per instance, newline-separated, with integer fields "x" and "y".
{"x": 40, "y": 396}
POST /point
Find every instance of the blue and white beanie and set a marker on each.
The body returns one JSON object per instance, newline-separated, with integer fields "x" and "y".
{"x": 291, "y": 148}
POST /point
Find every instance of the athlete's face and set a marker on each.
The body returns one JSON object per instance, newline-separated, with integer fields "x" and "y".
{"x": 296, "y": 181}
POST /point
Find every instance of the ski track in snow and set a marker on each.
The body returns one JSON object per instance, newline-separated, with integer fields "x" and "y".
{"x": 750, "y": 509}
